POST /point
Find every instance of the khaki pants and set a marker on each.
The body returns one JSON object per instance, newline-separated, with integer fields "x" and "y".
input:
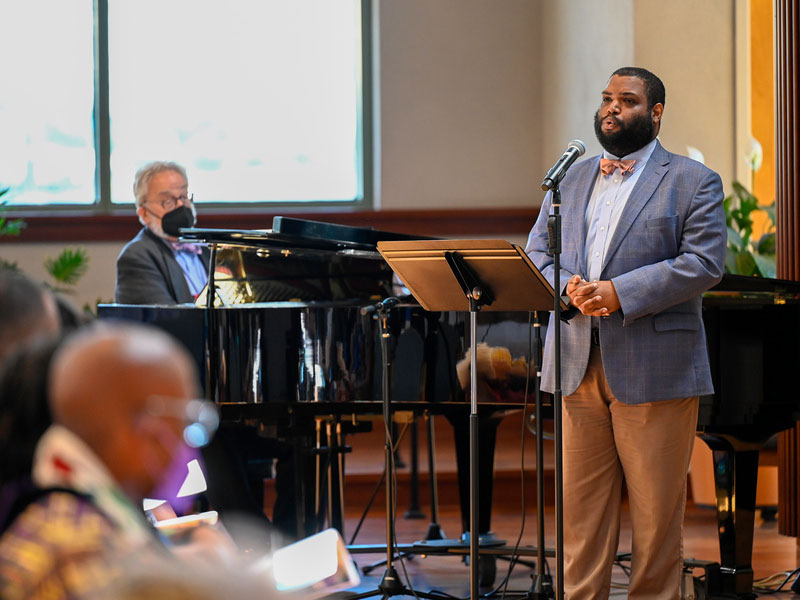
{"x": 650, "y": 446}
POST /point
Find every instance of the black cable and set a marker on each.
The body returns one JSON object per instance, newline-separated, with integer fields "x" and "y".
{"x": 377, "y": 487}
{"x": 514, "y": 556}
{"x": 765, "y": 590}
{"x": 393, "y": 516}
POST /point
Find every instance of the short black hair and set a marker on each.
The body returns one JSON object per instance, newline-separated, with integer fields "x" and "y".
{"x": 22, "y": 308}
{"x": 656, "y": 94}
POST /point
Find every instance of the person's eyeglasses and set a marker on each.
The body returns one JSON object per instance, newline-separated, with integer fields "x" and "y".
{"x": 200, "y": 417}
{"x": 170, "y": 203}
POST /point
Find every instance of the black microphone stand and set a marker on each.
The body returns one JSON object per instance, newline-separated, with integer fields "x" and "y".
{"x": 390, "y": 584}
{"x": 542, "y": 585}
{"x": 554, "y": 249}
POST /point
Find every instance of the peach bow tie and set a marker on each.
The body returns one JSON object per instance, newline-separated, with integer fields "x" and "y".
{"x": 609, "y": 166}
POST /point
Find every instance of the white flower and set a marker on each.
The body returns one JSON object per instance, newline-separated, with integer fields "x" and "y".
{"x": 756, "y": 155}
{"x": 695, "y": 154}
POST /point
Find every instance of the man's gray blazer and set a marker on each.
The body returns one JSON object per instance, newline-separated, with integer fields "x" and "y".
{"x": 668, "y": 248}
{"x": 147, "y": 272}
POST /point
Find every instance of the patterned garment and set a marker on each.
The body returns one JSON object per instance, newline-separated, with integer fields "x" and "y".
{"x": 61, "y": 546}
{"x": 75, "y": 539}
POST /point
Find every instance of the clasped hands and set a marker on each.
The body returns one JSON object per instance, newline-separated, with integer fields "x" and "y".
{"x": 592, "y": 298}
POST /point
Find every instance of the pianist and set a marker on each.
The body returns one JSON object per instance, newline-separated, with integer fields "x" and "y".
{"x": 643, "y": 238}
{"x": 154, "y": 268}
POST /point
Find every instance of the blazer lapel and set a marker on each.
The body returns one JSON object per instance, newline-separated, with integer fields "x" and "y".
{"x": 654, "y": 171}
{"x": 578, "y": 200}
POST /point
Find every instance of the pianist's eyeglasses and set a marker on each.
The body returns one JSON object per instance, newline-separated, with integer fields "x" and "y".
{"x": 169, "y": 203}
{"x": 200, "y": 418}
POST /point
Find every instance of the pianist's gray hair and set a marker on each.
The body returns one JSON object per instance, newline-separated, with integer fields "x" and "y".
{"x": 143, "y": 176}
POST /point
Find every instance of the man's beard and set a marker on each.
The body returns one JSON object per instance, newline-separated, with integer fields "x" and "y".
{"x": 158, "y": 229}
{"x": 631, "y": 136}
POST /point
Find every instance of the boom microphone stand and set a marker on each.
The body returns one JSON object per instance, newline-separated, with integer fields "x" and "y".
{"x": 390, "y": 584}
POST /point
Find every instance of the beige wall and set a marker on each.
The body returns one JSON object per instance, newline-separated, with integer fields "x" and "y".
{"x": 575, "y": 72}
{"x": 459, "y": 115}
{"x": 690, "y": 45}
{"x": 477, "y": 98}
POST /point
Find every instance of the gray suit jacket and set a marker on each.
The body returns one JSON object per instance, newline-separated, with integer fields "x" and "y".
{"x": 147, "y": 272}
{"x": 668, "y": 248}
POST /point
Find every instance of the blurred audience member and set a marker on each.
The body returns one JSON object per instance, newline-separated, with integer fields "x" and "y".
{"x": 24, "y": 417}
{"x": 27, "y": 311}
{"x": 125, "y": 423}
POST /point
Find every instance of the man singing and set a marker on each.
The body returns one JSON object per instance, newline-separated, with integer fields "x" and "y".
{"x": 643, "y": 238}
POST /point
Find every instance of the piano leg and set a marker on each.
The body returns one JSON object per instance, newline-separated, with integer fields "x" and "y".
{"x": 487, "y": 435}
{"x": 735, "y": 477}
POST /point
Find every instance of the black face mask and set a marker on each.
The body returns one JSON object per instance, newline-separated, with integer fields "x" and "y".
{"x": 176, "y": 219}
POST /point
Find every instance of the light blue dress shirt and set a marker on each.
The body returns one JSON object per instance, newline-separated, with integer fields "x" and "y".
{"x": 193, "y": 270}
{"x": 608, "y": 199}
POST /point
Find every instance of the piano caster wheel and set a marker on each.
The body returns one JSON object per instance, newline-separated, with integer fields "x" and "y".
{"x": 487, "y": 570}
{"x": 699, "y": 590}
{"x": 769, "y": 514}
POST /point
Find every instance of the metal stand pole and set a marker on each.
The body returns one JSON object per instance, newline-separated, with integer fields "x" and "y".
{"x": 554, "y": 227}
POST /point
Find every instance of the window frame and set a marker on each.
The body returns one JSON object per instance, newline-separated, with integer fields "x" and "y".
{"x": 103, "y": 206}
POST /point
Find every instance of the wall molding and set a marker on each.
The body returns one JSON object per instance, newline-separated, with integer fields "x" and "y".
{"x": 72, "y": 227}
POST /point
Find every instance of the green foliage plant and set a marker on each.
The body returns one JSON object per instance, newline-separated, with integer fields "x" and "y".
{"x": 66, "y": 268}
{"x": 745, "y": 255}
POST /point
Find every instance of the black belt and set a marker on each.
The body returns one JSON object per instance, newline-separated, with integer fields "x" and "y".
{"x": 595, "y": 336}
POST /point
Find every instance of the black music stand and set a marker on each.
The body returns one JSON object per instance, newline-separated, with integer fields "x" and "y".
{"x": 470, "y": 275}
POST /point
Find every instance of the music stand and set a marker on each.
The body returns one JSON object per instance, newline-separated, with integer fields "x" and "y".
{"x": 470, "y": 275}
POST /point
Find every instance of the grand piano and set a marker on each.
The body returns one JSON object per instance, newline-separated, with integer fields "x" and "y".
{"x": 286, "y": 351}
{"x": 753, "y": 354}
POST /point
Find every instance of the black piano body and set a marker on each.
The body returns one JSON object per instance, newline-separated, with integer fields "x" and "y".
{"x": 753, "y": 351}
{"x": 285, "y": 350}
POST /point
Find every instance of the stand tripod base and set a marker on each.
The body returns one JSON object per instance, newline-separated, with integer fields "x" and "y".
{"x": 390, "y": 585}
{"x": 541, "y": 589}
{"x": 434, "y": 532}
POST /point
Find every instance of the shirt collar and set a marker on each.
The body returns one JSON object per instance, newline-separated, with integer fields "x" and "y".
{"x": 641, "y": 156}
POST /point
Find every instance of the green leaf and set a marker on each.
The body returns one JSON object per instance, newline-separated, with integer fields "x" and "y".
{"x": 770, "y": 210}
{"x": 726, "y": 204}
{"x": 69, "y": 266}
{"x": 11, "y": 227}
{"x": 735, "y": 240}
{"x": 766, "y": 265}
{"x": 744, "y": 195}
{"x": 745, "y": 264}
{"x": 730, "y": 261}
{"x": 7, "y": 264}
{"x": 766, "y": 245}
{"x": 2, "y": 192}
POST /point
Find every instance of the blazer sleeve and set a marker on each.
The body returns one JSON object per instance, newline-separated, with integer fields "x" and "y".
{"x": 697, "y": 266}
{"x": 536, "y": 248}
{"x": 139, "y": 280}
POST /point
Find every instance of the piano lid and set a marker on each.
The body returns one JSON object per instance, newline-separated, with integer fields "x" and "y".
{"x": 741, "y": 289}
{"x": 297, "y": 260}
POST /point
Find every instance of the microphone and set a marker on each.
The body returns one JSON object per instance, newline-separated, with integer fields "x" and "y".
{"x": 557, "y": 172}
{"x": 381, "y": 306}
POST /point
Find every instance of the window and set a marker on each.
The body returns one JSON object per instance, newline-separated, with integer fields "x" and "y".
{"x": 261, "y": 100}
{"x": 46, "y": 95}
